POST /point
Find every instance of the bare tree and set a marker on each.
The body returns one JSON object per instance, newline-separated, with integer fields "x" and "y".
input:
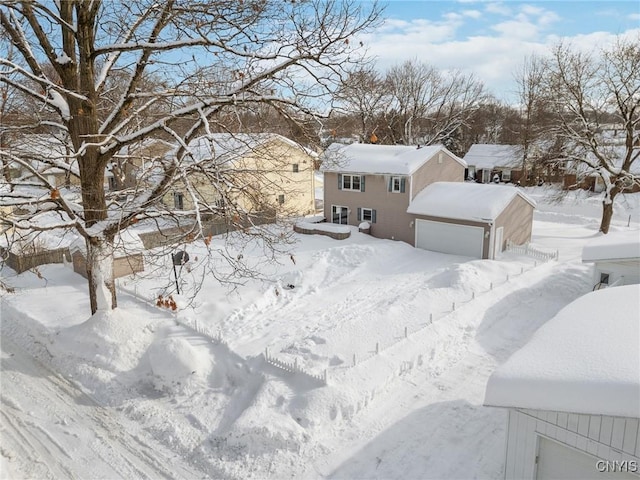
{"x": 429, "y": 106}
{"x": 363, "y": 94}
{"x": 591, "y": 96}
{"x": 127, "y": 72}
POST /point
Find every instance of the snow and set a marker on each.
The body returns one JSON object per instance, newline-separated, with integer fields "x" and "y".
{"x": 585, "y": 360}
{"x": 58, "y": 101}
{"x": 482, "y": 156}
{"x": 379, "y": 159}
{"x": 146, "y": 392}
{"x": 613, "y": 246}
{"x": 465, "y": 201}
{"x": 324, "y": 227}
{"x": 227, "y": 147}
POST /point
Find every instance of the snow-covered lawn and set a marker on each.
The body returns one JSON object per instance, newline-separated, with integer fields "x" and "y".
{"x": 425, "y": 330}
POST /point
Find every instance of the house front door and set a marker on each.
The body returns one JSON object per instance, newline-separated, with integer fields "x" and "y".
{"x": 339, "y": 215}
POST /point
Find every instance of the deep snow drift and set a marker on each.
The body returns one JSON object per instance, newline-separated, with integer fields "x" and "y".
{"x": 406, "y": 338}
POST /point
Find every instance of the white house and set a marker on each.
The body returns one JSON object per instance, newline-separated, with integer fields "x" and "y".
{"x": 573, "y": 392}
{"x": 616, "y": 258}
{"x": 485, "y": 161}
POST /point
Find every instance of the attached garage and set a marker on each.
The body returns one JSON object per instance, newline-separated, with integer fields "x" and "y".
{"x": 450, "y": 238}
{"x": 471, "y": 219}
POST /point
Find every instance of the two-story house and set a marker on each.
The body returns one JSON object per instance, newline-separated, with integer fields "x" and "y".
{"x": 376, "y": 184}
{"x": 417, "y": 195}
{"x": 269, "y": 172}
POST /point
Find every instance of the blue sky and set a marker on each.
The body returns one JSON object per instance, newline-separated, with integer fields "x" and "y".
{"x": 491, "y": 39}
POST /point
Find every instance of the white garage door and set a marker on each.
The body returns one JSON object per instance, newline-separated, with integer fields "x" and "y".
{"x": 557, "y": 461}
{"x": 449, "y": 238}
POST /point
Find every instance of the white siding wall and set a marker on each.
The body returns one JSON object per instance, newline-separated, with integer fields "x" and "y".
{"x": 628, "y": 269}
{"x": 608, "y": 438}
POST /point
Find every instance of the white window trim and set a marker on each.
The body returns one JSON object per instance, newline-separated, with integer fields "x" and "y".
{"x": 393, "y": 184}
{"x": 333, "y": 207}
{"x": 351, "y": 177}
{"x": 370, "y": 219}
{"x": 506, "y": 175}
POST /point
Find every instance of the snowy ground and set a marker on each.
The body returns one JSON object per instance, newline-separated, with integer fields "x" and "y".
{"x": 142, "y": 395}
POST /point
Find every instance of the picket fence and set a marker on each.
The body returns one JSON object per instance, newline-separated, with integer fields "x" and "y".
{"x": 530, "y": 251}
{"x": 294, "y": 368}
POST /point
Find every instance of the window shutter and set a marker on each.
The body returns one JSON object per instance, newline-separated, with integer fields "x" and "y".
{"x": 339, "y": 181}
{"x": 402, "y": 184}
{"x": 390, "y": 184}
{"x": 359, "y": 214}
{"x": 373, "y": 216}
{"x": 362, "y": 183}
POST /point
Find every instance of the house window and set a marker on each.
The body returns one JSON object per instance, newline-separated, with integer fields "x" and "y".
{"x": 281, "y": 199}
{"x": 506, "y": 175}
{"x": 339, "y": 214}
{"x": 112, "y": 183}
{"x": 178, "y": 200}
{"x": 604, "y": 278}
{"x": 397, "y": 184}
{"x": 352, "y": 182}
{"x": 367, "y": 215}
{"x": 296, "y": 169}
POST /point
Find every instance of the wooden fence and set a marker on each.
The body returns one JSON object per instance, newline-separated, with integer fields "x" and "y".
{"x": 23, "y": 262}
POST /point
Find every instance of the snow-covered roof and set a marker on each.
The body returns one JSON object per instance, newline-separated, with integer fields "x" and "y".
{"x": 465, "y": 201}
{"x": 621, "y": 245}
{"x": 482, "y": 155}
{"x": 584, "y": 360}
{"x": 226, "y": 147}
{"x": 380, "y": 159}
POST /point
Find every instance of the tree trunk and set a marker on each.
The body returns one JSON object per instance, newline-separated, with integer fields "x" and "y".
{"x": 102, "y": 292}
{"x": 607, "y": 213}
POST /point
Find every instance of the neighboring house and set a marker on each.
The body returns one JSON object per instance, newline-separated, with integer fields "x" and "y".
{"x": 272, "y": 172}
{"x": 134, "y": 163}
{"x": 582, "y": 175}
{"x": 42, "y": 152}
{"x": 376, "y": 184}
{"x": 486, "y": 161}
{"x": 616, "y": 258}
{"x": 573, "y": 392}
{"x": 471, "y": 219}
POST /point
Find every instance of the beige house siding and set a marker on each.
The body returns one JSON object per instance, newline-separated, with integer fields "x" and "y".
{"x": 517, "y": 220}
{"x": 392, "y": 219}
{"x": 441, "y": 168}
{"x": 273, "y": 164}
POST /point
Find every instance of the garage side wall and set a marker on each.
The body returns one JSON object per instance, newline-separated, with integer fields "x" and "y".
{"x": 629, "y": 270}
{"x": 517, "y": 220}
{"x": 600, "y": 436}
{"x": 486, "y": 227}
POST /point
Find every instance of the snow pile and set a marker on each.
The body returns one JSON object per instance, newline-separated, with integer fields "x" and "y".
{"x": 324, "y": 227}
{"x": 113, "y": 340}
{"x": 177, "y": 366}
{"x": 585, "y": 360}
{"x": 613, "y": 246}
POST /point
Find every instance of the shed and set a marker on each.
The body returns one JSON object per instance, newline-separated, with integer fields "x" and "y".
{"x": 471, "y": 219}
{"x": 616, "y": 258}
{"x": 573, "y": 392}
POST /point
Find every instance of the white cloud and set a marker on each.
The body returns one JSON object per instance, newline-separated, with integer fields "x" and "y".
{"x": 634, "y": 17}
{"x": 472, "y": 13}
{"x": 498, "y": 8}
{"x": 491, "y": 58}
